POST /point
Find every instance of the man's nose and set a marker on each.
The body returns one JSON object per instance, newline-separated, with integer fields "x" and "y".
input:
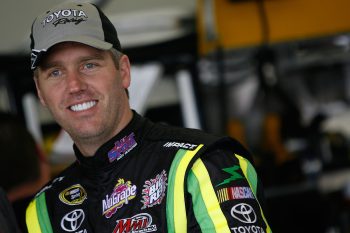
{"x": 76, "y": 82}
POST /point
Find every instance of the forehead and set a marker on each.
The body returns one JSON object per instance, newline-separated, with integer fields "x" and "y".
{"x": 71, "y": 49}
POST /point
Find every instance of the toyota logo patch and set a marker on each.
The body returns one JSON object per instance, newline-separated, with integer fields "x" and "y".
{"x": 244, "y": 213}
{"x": 73, "y": 220}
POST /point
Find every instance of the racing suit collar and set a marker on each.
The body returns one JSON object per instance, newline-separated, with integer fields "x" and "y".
{"x": 122, "y": 144}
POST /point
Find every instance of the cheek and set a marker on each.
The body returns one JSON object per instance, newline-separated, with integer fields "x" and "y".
{"x": 50, "y": 97}
{"x": 112, "y": 84}
{"x": 113, "y": 91}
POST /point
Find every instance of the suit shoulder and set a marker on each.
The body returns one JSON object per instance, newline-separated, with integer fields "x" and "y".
{"x": 166, "y": 132}
{"x": 58, "y": 179}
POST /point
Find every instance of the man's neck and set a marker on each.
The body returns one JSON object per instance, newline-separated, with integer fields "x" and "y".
{"x": 88, "y": 147}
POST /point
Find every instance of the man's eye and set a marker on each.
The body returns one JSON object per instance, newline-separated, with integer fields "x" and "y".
{"x": 55, "y": 73}
{"x": 89, "y": 65}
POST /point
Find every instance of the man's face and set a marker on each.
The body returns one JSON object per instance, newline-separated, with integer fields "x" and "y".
{"x": 85, "y": 91}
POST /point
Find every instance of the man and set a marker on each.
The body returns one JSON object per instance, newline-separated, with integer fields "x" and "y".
{"x": 131, "y": 175}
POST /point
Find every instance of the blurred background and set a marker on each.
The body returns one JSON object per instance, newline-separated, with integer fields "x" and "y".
{"x": 274, "y": 74}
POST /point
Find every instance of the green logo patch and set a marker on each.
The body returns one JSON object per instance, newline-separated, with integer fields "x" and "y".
{"x": 234, "y": 174}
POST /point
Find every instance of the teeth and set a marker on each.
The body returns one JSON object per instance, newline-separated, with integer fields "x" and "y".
{"x": 83, "y": 106}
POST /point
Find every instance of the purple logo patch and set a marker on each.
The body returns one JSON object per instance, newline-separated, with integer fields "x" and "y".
{"x": 122, "y": 193}
{"x": 122, "y": 147}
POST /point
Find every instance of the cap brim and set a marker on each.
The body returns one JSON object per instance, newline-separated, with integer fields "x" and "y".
{"x": 37, "y": 54}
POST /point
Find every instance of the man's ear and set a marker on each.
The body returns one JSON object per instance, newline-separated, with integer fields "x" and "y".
{"x": 124, "y": 69}
{"x": 42, "y": 101}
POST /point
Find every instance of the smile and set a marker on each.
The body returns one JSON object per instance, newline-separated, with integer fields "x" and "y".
{"x": 82, "y": 106}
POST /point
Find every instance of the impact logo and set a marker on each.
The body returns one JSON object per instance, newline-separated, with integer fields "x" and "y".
{"x": 181, "y": 145}
{"x": 136, "y": 224}
{"x": 122, "y": 147}
{"x": 153, "y": 190}
{"x": 74, "y": 195}
{"x": 122, "y": 193}
{"x": 65, "y": 16}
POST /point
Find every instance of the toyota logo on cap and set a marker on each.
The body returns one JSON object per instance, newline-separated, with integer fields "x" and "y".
{"x": 73, "y": 220}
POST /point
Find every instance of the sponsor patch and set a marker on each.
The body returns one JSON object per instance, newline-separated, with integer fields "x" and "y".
{"x": 136, "y": 224}
{"x": 73, "y": 220}
{"x": 74, "y": 195}
{"x": 153, "y": 190}
{"x": 245, "y": 214}
{"x": 122, "y": 147}
{"x": 181, "y": 145}
{"x": 233, "y": 171}
{"x": 234, "y": 193}
{"x": 34, "y": 56}
{"x": 122, "y": 193}
{"x": 65, "y": 16}
{"x": 248, "y": 229}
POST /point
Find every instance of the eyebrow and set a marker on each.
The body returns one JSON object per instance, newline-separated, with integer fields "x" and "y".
{"x": 97, "y": 56}
{"x": 45, "y": 65}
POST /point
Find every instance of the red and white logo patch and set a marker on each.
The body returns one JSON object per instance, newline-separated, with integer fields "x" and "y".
{"x": 136, "y": 224}
{"x": 153, "y": 190}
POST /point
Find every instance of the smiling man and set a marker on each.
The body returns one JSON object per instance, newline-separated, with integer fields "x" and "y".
{"x": 69, "y": 83}
{"x": 130, "y": 174}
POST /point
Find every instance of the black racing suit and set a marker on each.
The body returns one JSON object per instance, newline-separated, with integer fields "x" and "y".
{"x": 154, "y": 178}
